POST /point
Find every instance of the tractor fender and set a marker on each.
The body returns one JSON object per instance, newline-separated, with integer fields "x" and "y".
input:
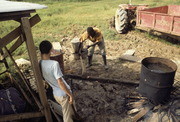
{"x": 124, "y": 6}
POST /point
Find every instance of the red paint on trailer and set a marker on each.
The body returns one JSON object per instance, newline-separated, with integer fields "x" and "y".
{"x": 164, "y": 19}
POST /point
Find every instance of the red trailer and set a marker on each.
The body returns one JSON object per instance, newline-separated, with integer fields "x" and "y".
{"x": 164, "y": 19}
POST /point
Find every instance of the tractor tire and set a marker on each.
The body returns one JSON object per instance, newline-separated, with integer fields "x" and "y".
{"x": 121, "y": 21}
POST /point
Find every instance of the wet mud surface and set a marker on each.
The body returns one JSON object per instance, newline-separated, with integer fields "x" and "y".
{"x": 118, "y": 68}
{"x": 106, "y": 102}
{"x": 101, "y": 102}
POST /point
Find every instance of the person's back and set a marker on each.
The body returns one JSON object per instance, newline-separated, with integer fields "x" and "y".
{"x": 51, "y": 72}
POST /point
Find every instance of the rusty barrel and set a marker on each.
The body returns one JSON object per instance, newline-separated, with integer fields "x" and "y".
{"x": 76, "y": 45}
{"x": 59, "y": 58}
{"x": 78, "y": 48}
{"x": 156, "y": 79}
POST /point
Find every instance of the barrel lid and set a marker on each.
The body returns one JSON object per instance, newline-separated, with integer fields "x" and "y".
{"x": 75, "y": 40}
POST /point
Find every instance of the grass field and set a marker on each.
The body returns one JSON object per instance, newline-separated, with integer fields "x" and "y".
{"x": 69, "y": 18}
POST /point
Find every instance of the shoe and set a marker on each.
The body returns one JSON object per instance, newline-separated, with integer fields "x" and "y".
{"x": 105, "y": 62}
{"x": 89, "y": 61}
{"x": 106, "y": 67}
{"x": 88, "y": 65}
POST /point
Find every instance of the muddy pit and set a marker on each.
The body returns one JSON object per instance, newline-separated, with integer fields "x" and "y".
{"x": 106, "y": 102}
{"x": 101, "y": 102}
{"x": 143, "y": 45}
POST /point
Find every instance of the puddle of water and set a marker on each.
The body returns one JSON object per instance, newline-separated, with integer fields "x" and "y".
{"x": 159, "y": 68}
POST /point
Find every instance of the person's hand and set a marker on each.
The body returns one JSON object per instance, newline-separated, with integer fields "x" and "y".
{"x": 71, "y": 99}
{"x": 88, "y": 46}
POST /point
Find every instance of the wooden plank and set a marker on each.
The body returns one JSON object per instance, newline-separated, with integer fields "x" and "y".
{"x": 24, "y": 79}
{"x": 11, "y": 117}
{"x": 16, "y": 32}
{"x": 16, "y": 13}
{"x": 141, "y": 114}
{"x": 129, "y": 52}
{"x": 14, "y": 17}
{"x": 4, "y": 60}
{"x": 35, "y": 66}
{"x": 3, "y": 72}
{"x": 22, "y": 90}
{"x": 14, "y": 46}
{"x": 56, "y": 109}
{"x": 104, "y": 80}
{"x": 137, "y": 104}
{"x": 83, "y": 66}
{"x": 82, "y": 62}
{"x": 131, "y": 58}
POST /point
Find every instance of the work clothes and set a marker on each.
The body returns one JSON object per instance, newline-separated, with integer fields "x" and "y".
{"x": 101, "y": 45}
{"x": 67, "y": 109}
{"x": 97, "y": 38}
{"x": 51, "y": 72}
{"x": 89, "y": 61}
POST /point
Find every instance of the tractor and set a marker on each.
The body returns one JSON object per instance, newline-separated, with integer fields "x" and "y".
{"x": 163, "y": 19}
{"x": 125, "y": 16}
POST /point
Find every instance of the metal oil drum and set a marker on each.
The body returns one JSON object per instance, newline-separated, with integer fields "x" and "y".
{"x": 156, "y": 79}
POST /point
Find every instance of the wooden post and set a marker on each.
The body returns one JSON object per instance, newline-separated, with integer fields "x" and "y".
{"x": 34, "y": 62}
{"x": 23, "y": 78}
{"x": 11, "y": 117}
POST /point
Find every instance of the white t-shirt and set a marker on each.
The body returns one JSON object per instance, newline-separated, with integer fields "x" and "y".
{"x": 51, "y": 72}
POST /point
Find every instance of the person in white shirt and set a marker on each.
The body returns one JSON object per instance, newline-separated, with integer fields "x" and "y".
{"x": 52, "y": 74}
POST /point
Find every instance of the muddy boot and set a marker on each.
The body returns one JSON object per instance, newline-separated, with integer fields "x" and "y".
{"x": 89, "y": 61}
{"x": 105, "y": 63}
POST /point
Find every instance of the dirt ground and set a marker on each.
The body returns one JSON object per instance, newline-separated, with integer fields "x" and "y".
{"x": 106, "y": 102}
{"x": 118, "y": 68}
{"x": 100, "y": 101}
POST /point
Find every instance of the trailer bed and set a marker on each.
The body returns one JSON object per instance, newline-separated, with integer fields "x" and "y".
{"x": 164, "y": 19}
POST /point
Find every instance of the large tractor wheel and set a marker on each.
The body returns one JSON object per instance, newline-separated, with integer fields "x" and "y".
{"x": 121, "y": 21}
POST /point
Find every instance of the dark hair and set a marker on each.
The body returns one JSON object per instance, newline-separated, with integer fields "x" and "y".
{"x": 45, "y": 47}
{"x": 91, "y": 31}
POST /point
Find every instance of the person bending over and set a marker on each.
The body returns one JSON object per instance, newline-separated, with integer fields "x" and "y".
{"x": 96, "y": 38}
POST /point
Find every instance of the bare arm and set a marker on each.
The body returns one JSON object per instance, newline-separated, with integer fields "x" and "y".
{"x": 65, "y": 89}
{"x": 94, "y": 43}
{"x": 83, "y": 37}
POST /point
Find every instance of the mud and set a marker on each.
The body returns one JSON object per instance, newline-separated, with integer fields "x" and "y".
{"x": 103, "y": 102}
{"x": 143, "y": 45}
{"x": 98, "y": 102}
{"x": 106, "y": 102}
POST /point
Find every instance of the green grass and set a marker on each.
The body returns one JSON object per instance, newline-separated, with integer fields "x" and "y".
{"x": 63, "y": 18}
{"x": 69, "y": 18}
